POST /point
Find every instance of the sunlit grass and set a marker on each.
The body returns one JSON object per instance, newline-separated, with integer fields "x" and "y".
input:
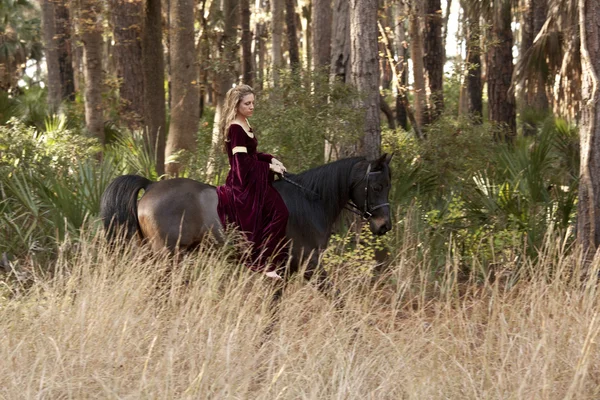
{"x": 130, "y": 324}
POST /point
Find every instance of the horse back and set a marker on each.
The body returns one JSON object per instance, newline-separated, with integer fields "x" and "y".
{"x": 179, "y": 213}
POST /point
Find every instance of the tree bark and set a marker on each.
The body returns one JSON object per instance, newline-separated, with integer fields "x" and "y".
{"x": 340, "y": 42}
{"x": 247, "y": 70}
{"x": 502, "y": 106}
{"x": 51, "y": 53}
{"x": 153, "y": 73}
{"x": 226, "y": 76}
{"x": 540, "y": 99}
{"x": 65, "y": 59}
{"x": 91, "y": 36}
{"x": 277, "y": 7}
{"x": 434, "y": 58}
{"x": 290, "y": 22}
{"x": 588, "y": 223}
{"x": 183, "y": 126}
{"x": 127, "y": 24}
{"x": 416, "y": 54}
{"x": 364, "y": 70}
{"x": 402, "y": 54}
{"x": 474, "y": 83}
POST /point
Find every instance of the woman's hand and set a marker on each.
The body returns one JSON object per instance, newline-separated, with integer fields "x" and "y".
{"x": 279, "y": 163}
{"x": 277, "y": 169}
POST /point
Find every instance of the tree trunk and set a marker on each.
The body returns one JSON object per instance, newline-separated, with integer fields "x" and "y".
{"x": 51, "y": 53}
{"x": 226, "y": 75}
{"x": 588, "y": 223}
{"x": 65, "y": 59}
{"x": 416, "y": 50}
{"x": 340, "y": 43}
{"x": 261, "y": 50}
{"x": 290, "y": 22}
{"x": 127, "y": 23}
{"x": 364, "y": 70}
{"x": 277, "y": 7}
{"x": 474, "y": 83}
{"x": 153, "y": 72}
{"x": 91, "y": 36}
{"x": 247, "y": 70}
{"x": 307, "y": 38}
{"x": 434, "y": 58}
{"x": 540, "y": 12}
{"x": 502, "y": 107}
{"x": 402, "y": 54}
{"x": 183, "y": 126}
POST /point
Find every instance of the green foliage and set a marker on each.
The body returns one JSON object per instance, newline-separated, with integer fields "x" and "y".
{"x": 130, "y": 153}
{"x": 25, "y": 148}
{"x": 294, "y": 120}
{"x": 50, "y": 183}
{"x": 355, "y": 254}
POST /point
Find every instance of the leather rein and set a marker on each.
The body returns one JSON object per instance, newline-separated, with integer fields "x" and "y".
{"x": 366, "y": 212}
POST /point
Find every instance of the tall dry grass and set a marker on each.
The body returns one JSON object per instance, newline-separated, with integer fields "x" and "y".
{"x": 129, "y": 325}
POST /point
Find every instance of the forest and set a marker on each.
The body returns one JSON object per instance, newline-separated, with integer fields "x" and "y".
{"x": 485, "y": 287}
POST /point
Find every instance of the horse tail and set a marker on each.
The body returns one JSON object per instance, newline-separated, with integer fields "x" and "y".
{"x": 118, "y": 205}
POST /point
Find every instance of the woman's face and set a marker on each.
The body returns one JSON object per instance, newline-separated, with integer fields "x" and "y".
{"x": 246, "y": 106}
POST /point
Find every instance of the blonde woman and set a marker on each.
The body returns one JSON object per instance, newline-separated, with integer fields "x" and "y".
{"x": 248, "y": 199}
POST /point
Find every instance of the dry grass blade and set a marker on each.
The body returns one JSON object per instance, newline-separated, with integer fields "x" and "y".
{"x": 133, "y": 325}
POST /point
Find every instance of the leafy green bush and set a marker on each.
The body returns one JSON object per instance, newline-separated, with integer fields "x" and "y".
{"x": 50, "y": 182}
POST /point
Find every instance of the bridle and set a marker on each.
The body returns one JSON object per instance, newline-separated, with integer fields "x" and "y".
{"x": 366, "y": 212}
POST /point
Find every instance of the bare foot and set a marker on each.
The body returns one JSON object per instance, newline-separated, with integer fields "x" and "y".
{"x": 274, "y": 275}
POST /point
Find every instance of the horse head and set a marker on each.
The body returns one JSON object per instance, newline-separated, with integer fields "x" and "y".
{"x": 370, "y": 193}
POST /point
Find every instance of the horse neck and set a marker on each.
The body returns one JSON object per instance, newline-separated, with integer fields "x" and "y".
{"x": 333, "y": 183}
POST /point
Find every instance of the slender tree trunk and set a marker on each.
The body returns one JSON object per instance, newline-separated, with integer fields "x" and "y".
{"x": 385, "y": 68}
{"x": 588, "y": 223}
{"x": 290, "y": 22}
{"x": 540, "y": 12}
{"x": 184, "y": 85}
{"x": 364, "y": 70}
{"x": 51, "y": 53}
{"x": 247, "y": 70}
{"x": 261, "y": 50}
{"x": 339, "y": 69}
{"x": 277, "y": 7}
{"x": 226, "y": 75}
{"x": 65, "y": 60}
{"x": 127, "y": 23}
{"x": 401, "y": 54}
{"x": 416, "y": 50}
{"x": 153, "y": 72}
{"x": 91, "y": 36}
{"x": 434, "y": 58}
{"x": 502, "y": 106}
{"x": 473, "y": 78}
{"x": 307, "y": 33}
{"x": 340, "y": 43}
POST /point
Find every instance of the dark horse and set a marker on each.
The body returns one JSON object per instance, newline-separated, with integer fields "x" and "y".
{"x": 179, "y": 213}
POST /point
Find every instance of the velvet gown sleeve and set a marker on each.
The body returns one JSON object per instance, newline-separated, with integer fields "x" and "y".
{"x": 247, "y": 170}
{"x": 264, "y": 157}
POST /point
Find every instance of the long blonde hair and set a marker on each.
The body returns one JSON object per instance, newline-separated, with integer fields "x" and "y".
{"x": 232, "y": 100}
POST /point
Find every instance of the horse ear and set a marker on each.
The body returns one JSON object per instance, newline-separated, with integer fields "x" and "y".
{"x": 384, "y": 159}
{"x": 388, "y": 157}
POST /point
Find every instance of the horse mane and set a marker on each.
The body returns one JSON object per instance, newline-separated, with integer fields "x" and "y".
{"x": 324, "y": 181}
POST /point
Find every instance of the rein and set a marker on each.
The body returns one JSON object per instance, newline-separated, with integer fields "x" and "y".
{"x": 365, "y": 213}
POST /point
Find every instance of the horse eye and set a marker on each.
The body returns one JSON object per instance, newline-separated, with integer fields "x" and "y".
{"x": 377, "y": 188}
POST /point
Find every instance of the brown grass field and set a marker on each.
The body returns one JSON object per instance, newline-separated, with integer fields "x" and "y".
{"x": 130, "y": 325}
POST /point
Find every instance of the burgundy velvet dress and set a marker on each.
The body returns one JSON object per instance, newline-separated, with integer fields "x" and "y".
{"x": 249, "y": 201}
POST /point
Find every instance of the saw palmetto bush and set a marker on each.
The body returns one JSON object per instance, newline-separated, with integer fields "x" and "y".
{"x": 50, "y": 183}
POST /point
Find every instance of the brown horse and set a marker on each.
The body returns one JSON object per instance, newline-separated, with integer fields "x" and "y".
{"x": 181, "y": 212}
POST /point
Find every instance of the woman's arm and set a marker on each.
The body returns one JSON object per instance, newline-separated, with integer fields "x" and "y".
{"x": 246, "y": 169}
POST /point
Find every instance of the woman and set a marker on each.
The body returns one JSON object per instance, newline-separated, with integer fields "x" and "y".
{"x": 248, "y": 200}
